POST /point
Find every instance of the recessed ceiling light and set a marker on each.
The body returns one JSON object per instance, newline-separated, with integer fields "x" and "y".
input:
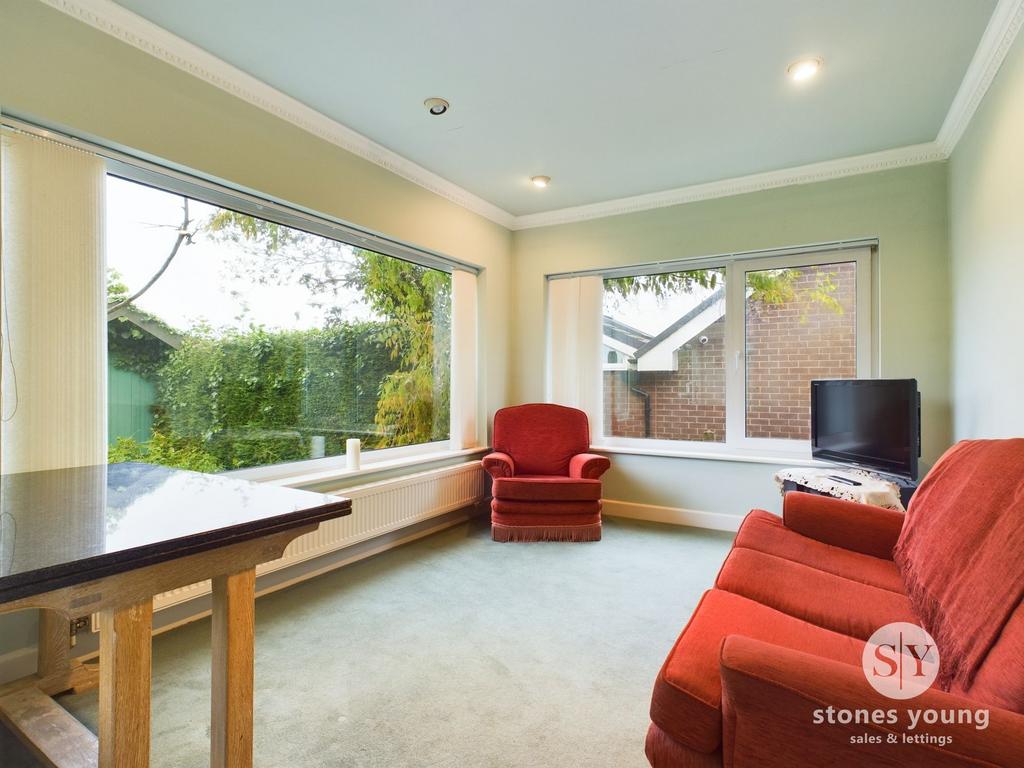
{"x": 540, "y": 181}
{"x": 804, "y": 69}
{"x": 436, "y": 106}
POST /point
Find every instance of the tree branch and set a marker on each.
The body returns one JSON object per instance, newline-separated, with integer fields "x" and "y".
{"x": 183, "y": 235}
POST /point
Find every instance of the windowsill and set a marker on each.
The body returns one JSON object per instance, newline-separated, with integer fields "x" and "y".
{"x": 335, "y": 474}
{"x": 749, "y": 458}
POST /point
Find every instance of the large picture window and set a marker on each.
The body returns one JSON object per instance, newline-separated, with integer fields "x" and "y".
{"x": 237, "y": 342}
{"x": 723, "y": 355}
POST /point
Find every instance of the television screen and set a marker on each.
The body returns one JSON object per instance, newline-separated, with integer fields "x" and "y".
{"x": 872, "y": 423}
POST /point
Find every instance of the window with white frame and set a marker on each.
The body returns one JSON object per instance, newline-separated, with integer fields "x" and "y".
{"x": 235, "y": 341}
{"x": 722, "y": 352}
{"x": 174, "y": 320}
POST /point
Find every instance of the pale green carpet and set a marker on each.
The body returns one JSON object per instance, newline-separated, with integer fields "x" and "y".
{"x": 450, "y": 651}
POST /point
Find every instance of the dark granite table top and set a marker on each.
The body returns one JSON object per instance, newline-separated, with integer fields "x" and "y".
{"x": 67, "y": 526}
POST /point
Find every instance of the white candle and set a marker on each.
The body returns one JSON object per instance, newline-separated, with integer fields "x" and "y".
{"x": 352, "y": 452}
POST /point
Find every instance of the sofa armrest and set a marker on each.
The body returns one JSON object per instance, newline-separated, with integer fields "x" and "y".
{"x": 782, "y": 707}
{"x": 847, "y": 524}
{"x": 499, "y": 465}
{"x": 588, "y": 466}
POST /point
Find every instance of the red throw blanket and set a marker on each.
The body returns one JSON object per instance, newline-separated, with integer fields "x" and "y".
{"x": 961, "y": 551}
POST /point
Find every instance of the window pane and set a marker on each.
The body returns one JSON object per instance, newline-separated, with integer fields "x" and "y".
{"x": 801, "y": 324}
{"x": 663, "y": 363}
{"x": 235, "y": 342}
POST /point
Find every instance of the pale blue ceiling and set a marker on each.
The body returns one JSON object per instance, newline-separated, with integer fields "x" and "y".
{"x": 609, "y": 98}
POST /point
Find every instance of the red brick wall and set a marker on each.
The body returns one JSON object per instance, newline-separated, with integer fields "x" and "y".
{"x": 790, "y": 344}
{"x": 688, "y": 404}
{"x": 787, "y": 346}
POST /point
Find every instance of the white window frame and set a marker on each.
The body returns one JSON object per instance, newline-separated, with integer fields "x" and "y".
{"x": 465, "y": 433}
{"x": 737, "y": 444}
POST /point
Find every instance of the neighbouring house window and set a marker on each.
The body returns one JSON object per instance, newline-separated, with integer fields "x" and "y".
{"x": 725, "y": 354}
{"x": 238, "y": 342}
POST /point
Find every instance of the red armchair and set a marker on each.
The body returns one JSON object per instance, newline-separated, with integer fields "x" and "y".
{"x": 778, "y": 642}
{"x": 546, "y": 486}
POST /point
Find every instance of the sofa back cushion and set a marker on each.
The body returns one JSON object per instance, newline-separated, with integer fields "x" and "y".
{"x": 961, "y": 553}
{"x": 541, "y": 438}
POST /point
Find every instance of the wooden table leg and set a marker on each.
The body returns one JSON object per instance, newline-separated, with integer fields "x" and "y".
{"x": 232, "y": 684}
{"x": 126, "y": 654}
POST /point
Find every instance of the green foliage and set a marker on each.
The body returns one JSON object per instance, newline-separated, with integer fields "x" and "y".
{"x": 414, "y": 302}
{"x": 664, "y": 284}
{"x": 165, "y": 449}
{"x": 130, "y": 347}
{"x": 256, "y": 397}
{"x": 769, "y": 287}
{"x": 414, "y": 400}
{"x": 231, "y": 399}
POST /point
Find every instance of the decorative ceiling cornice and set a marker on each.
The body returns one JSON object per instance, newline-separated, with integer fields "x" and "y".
{"x": 130, "y": 28}
{"x": 1002, "y": 29}
{"x": 741, "y": 185}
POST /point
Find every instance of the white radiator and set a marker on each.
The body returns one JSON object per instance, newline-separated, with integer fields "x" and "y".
{"x": 377, "y": 508}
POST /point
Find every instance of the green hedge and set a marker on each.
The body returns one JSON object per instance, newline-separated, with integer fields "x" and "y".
{"x": 257, "y": 397}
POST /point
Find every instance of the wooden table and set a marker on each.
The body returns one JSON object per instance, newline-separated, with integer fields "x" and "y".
{"x": 104, "y": 540}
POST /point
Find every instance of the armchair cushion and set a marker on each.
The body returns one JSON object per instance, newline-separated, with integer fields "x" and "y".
{"x": 499, "y": 465}
{"x": 766, "y": 532}
{"x": 847, "y": 524}
{"x": 540, "y": 437}
{"x": 546, "y": 488}
{"x": 687, "y": 699}
{"x": 545, "y": 509}
{"x": 770, "y": 695}
{"x": 821, "y": 598}
{"x": 588, "y": 466}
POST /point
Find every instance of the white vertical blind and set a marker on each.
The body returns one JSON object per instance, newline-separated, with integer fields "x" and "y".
{"x": 463, "y": 406}
{"x": 54, "y": 377}
{"x": 573, "y": 375}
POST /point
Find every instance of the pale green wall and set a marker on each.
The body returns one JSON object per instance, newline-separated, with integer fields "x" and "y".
{"x": 986, "y": 184}
{"x": 61, "y": 71}
{"x": 904, "y": 208}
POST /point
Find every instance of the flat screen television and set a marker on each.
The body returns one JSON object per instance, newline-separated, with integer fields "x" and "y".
{"x": 870, "y": 423}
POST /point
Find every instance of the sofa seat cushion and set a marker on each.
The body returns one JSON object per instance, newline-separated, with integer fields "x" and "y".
{"x": 766, "y": 532}
{"x": 822, "y": 598}
{"x": 687, "y": 699}
{"x": 546, "y": 488}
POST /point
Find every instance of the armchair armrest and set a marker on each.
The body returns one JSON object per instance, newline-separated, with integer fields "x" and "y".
{"x": 780, "y": 707}
{"x": 499, "y": 465}
{"x": 847, "y": 524}
{"x": 588, "y": 466}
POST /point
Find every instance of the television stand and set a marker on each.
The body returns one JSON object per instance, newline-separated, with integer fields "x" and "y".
{"x": 852, "y": 484}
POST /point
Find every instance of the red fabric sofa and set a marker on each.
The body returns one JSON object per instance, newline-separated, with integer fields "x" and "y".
{"x": 547, "y": 486}
{"x": 780, "y": 636}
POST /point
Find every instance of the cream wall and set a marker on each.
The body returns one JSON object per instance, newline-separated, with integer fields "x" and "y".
{"x": 987, "y": 251}
{"x": 905, "y": 209}
{"x": 58, "y": 70}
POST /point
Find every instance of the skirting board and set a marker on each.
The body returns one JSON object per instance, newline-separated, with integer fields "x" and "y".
{"x": 716, "y": 521}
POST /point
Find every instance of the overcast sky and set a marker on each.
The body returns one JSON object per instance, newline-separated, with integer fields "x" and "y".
{"x": 650, "y": 314}
{"x": 198, "y": 285}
